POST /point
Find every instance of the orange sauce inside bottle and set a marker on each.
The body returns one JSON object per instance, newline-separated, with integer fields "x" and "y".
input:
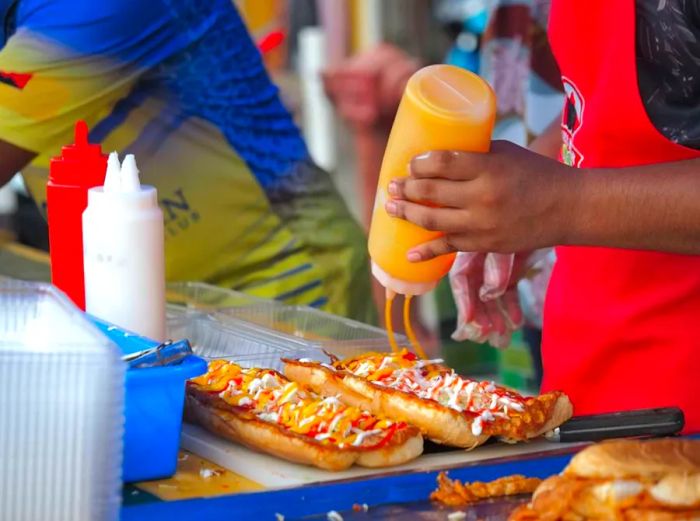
{"x": 443, "y": 108}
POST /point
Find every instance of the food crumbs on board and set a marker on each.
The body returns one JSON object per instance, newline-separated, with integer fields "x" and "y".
{"x": 364, "y": 507}
{"x": 457, "y": 516}
{"x": 334, "y": 516}
{"x": 206, "y": 473}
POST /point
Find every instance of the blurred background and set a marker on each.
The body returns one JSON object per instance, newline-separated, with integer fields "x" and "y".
{"x": 341, "y": 66}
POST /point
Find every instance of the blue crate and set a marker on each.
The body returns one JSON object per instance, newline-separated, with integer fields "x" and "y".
{"x": 155, "y": 397}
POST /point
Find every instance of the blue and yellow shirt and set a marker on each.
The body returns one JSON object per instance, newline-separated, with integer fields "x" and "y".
{"x": 180, "y": 84}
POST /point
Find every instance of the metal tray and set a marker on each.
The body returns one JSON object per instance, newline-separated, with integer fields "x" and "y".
{"x": 489, "y": 510}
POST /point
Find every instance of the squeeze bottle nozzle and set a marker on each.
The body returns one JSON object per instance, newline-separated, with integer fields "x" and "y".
{"x": 113, "y": 177}
{"x": 130, "y": 175}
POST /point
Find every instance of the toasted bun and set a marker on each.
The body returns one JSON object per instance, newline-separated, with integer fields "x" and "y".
{"x": 440, "y": 424}
{"x": 325, "y": 383}
{"x": 265, "y": 437}
{"x": 437, "y": 422}
{"x": 652, "y": 459}
{"x": 406, "y": 448}
{"x": 678, "y": 490}
{"x": 656, "y": 480}
{"x": 561, "y": 412}
{"x": 248, "y": 430}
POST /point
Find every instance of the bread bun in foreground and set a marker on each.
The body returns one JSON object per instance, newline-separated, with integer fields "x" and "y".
{"x": 623, "y": 480}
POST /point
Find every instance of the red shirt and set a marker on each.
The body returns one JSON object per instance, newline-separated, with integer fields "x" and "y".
{"x": 622, "y": 327}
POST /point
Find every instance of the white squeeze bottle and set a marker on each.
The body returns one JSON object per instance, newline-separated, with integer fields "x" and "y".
{"x": 123, "y": 245}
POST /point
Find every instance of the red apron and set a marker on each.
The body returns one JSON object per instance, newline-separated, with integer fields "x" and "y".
{"x": 622, "y": 327}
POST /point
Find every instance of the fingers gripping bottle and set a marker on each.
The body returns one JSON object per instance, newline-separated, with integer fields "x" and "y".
{"x": 443, "y": 108}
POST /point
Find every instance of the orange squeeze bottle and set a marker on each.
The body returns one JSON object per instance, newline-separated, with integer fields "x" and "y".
{"x": 443, "y": 108}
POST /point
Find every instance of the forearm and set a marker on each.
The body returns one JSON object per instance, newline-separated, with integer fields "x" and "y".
{"x": 654, "y": 207}
{"x": 12, "y": 160}
{"x": 548, "y": 143}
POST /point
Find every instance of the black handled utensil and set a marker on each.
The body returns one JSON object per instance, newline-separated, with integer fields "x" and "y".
{"x": 628, "y": 424}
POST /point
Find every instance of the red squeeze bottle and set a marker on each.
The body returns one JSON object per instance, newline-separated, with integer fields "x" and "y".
{"x": 79, "y": 167}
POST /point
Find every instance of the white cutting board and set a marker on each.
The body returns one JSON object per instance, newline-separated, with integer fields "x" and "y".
{"x": 273, "y": 473}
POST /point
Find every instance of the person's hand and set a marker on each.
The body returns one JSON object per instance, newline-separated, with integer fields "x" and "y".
{"x": 506, "y": 200}
{"x": 484, "y": 287}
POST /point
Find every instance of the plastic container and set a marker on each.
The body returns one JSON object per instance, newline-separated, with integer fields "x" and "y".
{"x": 80, "y": 167}
{"x": 124, "y": 252}
{"x": 258, "y": 325}
{"x": 61, "y": 410}
{"x": 201, "y": 296}
{"x": 443, "y": 108}
{"x": 212, "y": 339}
{"x": 303, "y": 328}
{"x": 155, "y": 397}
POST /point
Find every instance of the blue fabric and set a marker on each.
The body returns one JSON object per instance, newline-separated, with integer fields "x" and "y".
{"x": 221, "y": 78}
{"x": 7, "y": 20}
{"x": 197, "y": 54}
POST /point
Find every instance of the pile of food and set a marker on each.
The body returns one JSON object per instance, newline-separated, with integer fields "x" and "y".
{"x": 454, "y": 493}
{"x": 627, "y": 480}
{"x": 447, "y": 408}
{"x": 622, "y": 480}
{"x": 262, "y": 409}
{"x": 371, "y": 410}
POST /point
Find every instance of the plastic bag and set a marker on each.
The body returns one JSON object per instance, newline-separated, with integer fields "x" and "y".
{"x": 485, "y": 289}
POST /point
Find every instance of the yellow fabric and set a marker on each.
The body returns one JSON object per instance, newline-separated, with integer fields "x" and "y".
{"x": 220, "y": 226}
{"x": 63, "y": 89}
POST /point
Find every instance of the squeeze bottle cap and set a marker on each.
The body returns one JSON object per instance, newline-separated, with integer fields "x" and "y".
{"x": 122, "y": 189}
{"x": 451, "y": 93}
{"x": 399, "y": 286}
{"x": 113, "y": 176}
{"x": 80, "y": 164}
{"x": 130, "y": 175}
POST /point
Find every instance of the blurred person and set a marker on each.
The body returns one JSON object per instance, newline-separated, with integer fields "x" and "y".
{"x": 180, "y": 84}
{"x": 620, "y": 321}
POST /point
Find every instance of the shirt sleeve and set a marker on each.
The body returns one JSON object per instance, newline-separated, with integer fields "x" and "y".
{"x": 74, "y": 59}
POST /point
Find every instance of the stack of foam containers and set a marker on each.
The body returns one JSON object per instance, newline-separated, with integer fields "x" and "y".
{"x": 255, "y": 332}
{"x": 61, "y": 410}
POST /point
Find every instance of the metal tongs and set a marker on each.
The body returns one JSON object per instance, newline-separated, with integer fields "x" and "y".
{"x": 167, "y": 353}
{"x": 143, "y": 352}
